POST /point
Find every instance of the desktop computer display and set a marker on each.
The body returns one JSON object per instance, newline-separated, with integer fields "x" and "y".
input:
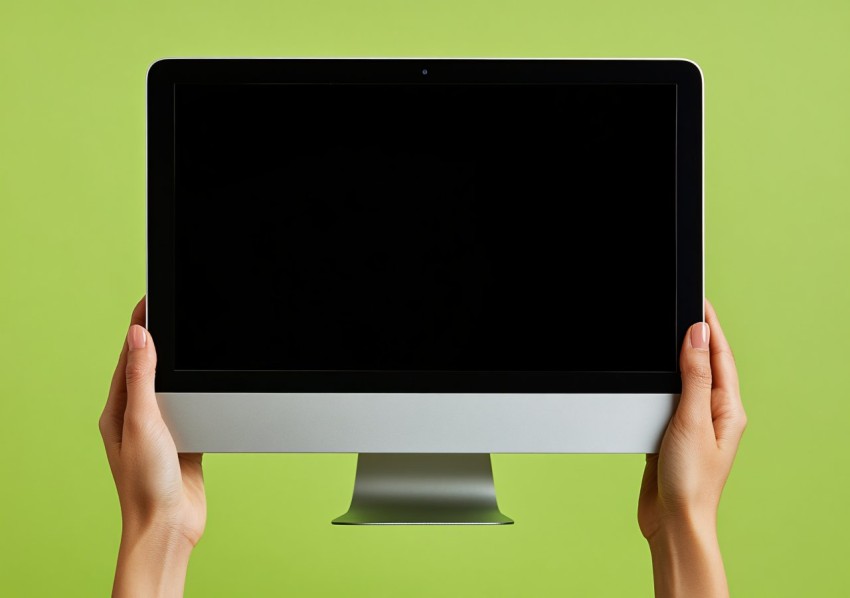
{"x": 422, "y": 261}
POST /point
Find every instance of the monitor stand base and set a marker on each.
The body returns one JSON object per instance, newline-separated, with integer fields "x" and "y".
{"x": 423, "y": 489}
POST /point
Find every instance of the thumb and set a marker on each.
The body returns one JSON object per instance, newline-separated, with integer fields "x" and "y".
{"x": 140, "y": 372}
{"x": 695, "y": 363}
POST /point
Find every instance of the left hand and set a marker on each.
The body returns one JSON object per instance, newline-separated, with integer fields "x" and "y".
{"x": 161, "y": 492}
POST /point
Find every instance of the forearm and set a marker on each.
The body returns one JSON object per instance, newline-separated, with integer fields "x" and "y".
{"x": 151, "y": 562}
{"x": 686, "y": 560}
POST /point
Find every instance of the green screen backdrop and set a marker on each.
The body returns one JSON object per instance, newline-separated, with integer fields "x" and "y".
{"x": 72, "y": 185}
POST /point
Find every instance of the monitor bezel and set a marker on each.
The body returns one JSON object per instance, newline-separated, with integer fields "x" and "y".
{"x": 164, "y": 74}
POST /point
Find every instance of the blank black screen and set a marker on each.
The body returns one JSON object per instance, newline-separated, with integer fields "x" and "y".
{"x": 425, "y": 227}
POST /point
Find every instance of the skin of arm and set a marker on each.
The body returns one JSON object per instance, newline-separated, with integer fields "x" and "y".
{"x": 682, "y": 484}
{"x": 161, "y": 491}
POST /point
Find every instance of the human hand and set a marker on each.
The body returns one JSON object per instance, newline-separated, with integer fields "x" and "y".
{"x": 161, "y": 492}
{"x": 680, "y": 493}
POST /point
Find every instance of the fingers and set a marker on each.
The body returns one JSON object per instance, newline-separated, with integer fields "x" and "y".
{"x": 118, "y": 385}
{"x": 727, "y": 409}
{"x": 139, "y": 312}
{"x": 112, "y": 419}
{"x": 197, "y": 458}
{"x": 695, "y": 362}
{"x": 722, "y": 361}
{"x": 140, "y": 373}
{"x": 193, "y": 461}
{"x": 117, "y": 388}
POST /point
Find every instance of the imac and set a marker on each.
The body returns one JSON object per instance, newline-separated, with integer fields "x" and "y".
{"x": 422, "y": 261}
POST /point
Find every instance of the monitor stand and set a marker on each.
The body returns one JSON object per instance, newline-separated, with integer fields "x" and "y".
{"x": 423, "y": 489}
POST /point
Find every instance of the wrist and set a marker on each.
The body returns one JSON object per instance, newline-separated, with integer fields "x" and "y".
{"x": 152, "y": 560}
{"x": 684, "y": 528}
{"x": 686, "y": 559}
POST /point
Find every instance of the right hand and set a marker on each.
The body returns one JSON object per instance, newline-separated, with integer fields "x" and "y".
{"x": 682, "y": 484}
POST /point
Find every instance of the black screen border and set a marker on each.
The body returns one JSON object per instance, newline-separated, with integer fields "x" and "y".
{"x": 164, "y": 74}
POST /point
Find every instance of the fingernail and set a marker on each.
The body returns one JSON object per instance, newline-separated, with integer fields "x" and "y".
{"x": 137, "y": 338}
{"x": 699, "y": 336}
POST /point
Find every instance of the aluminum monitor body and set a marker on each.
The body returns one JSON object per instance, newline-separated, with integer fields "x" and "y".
{"x": 255, "y": 412}
{"x": 417, "y": 423}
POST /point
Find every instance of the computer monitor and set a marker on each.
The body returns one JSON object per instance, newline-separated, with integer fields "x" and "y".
{"x": 423, "y": 261}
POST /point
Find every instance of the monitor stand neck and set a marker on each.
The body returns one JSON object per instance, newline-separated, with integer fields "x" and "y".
{"x": 414, "y": 488}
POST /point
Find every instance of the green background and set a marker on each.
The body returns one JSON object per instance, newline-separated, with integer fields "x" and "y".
{"x": 72, "y": 181}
